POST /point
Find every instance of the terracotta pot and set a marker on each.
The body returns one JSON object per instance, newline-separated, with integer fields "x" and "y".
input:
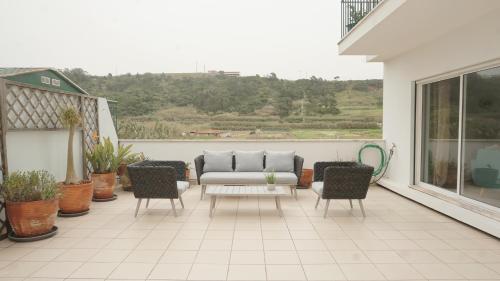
{"x": 306, "y": 177}
{"x": 32, "y": 218}
{"x": 186, "y": 173}
{"x": 121, "y": 169}
{"x": 76, "y": 198}
{"x": 125, "y": 181}
{"x": 104, "y": 185}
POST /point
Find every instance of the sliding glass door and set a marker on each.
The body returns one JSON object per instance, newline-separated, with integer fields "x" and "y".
{"x": 440, "y": 123}
{"x": 481, "y": 137}
{"x": 459, "y": 135}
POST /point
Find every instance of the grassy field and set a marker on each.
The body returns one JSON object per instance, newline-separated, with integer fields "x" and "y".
{"x": 360, "y": 117}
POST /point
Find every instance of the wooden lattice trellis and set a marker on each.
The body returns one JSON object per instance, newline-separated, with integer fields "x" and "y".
{"x": 29, "y": 108}
{"x": 24, "y": 107}
{"x": 90, "y": 126}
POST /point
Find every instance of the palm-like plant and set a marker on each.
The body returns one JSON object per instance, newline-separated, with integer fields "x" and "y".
{"x": 70, "y": 117}
{"x": 104, "y": 159}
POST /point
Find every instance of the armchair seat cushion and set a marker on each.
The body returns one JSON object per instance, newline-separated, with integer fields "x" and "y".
{"x": 317, "y": 187}
{"x": 246, "y": 178}
{"x": 182, "y": 186}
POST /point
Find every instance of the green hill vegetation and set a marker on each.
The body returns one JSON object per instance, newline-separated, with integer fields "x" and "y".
{"x": 210, "y": 106}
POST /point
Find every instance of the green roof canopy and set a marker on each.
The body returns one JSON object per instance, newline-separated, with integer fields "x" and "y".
{"x": 46, "y": 78}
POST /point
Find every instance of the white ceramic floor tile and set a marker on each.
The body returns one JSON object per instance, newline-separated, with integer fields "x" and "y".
{"x": 132, "y": 271}
{"x": 170, "y": 271}
{"x": 247, "y": 272}
{"x": 323, "y": 272}
{"x": 285, "y": 272}
{"x": 57, "y": 270}
{"x": 94, "y": 270}
{"x": 399, "y": 271}
{"x": 208, "y": 272}
{"x": 361, "y": 272}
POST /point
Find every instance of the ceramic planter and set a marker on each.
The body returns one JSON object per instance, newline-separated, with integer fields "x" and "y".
{"x": 271, "y": 186}
{"x": 104, "y": 185}
{"x": 306, "y": 178}
{"x": 32, "y": 218}
{"x": 76, "y": 198}
{"x": 125, "y": 181}
{"x": 121, "y": 169}
{"x": 186, "y": 174}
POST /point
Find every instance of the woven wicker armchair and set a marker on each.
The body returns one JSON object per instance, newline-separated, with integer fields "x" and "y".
{"x": 341, "y": 180}
{"x": 158, "y": 179}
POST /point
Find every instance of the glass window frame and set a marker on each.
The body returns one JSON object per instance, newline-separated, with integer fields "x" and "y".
{"x": 418, "y": 133}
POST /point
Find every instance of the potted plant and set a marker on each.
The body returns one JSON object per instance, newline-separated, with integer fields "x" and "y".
{"x": 31, "y": 202}
{"x": 271, "y": 181}
{"x": 124, "y": 177}
{"x": 187, "y": 171}
{"x": 76, "y": 194}
{"x": 354, "y": 17}
{"x": 105, "y": 163}
{"x": 306, "y": 178}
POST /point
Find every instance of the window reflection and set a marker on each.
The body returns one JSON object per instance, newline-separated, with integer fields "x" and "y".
{"x": 441, "y": 105}
{"x": 481, "y": 143}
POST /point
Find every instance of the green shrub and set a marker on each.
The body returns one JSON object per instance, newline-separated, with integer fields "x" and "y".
{"x": 30, "y": 186}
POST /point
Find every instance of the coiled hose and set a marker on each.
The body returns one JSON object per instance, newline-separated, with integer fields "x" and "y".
{"x": 385, "y": 159}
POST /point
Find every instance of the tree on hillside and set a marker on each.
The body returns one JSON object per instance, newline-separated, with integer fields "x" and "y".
{"x": 144, "y": 94}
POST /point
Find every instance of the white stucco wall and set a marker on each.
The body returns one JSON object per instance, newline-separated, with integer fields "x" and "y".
{"x": 311, "y": 150}
{"x": 43, "y": 150}
{"x": 474, "y": 44}
{"x": 106, "y": 126}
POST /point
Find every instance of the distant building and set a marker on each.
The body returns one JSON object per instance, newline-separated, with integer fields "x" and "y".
{"x": 227, "y": 73}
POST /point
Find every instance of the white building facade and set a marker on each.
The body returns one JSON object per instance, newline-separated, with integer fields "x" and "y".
{"x": 441, "y": 101}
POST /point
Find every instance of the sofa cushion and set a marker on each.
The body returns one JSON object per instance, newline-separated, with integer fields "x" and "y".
{"x": 280, "y": 161}
{"x": 217, "y": 161}
{"x": 317, "y": 187}
{"x": 249, "y": 161}
{"x": 246, "y": 178}
{"x": 182, "y": 186}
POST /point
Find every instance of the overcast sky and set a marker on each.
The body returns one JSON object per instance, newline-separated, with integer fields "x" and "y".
{"x": 293, "y": 38}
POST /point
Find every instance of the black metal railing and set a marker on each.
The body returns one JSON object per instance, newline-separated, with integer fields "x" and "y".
{"x": 352, "y": 11}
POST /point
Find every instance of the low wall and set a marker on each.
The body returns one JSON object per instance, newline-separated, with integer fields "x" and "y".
{"x": 43, "y": 150}
{"x": 312, "y": 150}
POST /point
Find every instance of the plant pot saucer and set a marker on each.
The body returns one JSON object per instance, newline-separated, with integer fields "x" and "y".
{"x": 68, "y": 215}
{"x": 13, "y": 237}
{"x": 105, "y": 199}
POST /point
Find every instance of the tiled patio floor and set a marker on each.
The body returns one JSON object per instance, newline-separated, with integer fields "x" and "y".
{"x": 247, "y": 240}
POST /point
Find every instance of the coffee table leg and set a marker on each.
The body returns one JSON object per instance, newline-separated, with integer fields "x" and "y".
{"x": 278, "y": 205}
{"x": 212, "y": 205}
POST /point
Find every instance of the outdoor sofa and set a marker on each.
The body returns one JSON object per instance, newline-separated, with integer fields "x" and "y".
{"x": 248, "y": 168}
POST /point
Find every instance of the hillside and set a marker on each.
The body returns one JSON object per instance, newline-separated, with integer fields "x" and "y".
{"x": 173, "y": 106}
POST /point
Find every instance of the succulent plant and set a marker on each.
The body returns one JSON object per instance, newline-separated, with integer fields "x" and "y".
{"x": 271, "y": 178}
{"x": 70, "y": 117}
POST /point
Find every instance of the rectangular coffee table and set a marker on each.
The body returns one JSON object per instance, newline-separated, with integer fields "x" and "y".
{"x": 244, "y": 190}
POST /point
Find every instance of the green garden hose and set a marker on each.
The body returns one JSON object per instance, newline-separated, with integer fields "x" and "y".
{"x": 380, "y": 170}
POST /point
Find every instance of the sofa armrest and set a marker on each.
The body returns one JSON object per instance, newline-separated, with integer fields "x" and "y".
{"x": 297, "y": 167}
{"x": 179, "y": 166}
{"x": 198, "y": 164}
